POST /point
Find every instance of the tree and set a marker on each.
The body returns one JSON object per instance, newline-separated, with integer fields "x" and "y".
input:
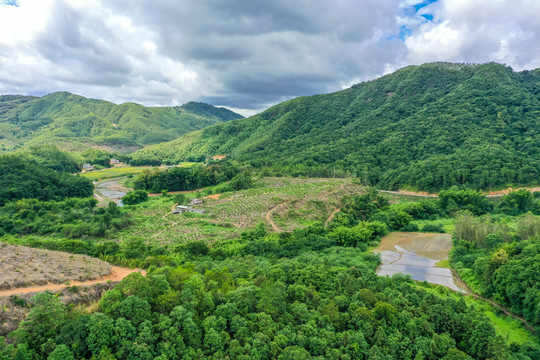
{"x": 179, "y": 199}
{"x": 61, "y": 352}
{"x": 100, "y": 333}
{"x": 135, "y": 197}
{"x": 46, "y": 316}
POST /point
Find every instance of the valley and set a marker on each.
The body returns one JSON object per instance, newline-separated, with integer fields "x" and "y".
{"x": 382, "y": 221}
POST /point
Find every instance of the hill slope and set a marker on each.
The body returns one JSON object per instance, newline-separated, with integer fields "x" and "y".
{"x": 426, "y": 127}
{"x": 70, "y": 121}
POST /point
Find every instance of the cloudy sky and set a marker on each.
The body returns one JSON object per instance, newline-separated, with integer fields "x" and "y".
{"x": 247, "y": 54}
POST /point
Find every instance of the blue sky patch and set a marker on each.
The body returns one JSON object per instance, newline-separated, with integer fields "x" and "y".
{"x": 404, "y": 32}
{"x": 9, "y": 2}
{"x": 418, "y": 19}
{"x": 423, "y": 4}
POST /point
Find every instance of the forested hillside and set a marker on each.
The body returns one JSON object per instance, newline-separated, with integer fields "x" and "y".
{"x": 426, "y": 127}
{"x": 70, "y": 120}
{"x": 25, "y": 177}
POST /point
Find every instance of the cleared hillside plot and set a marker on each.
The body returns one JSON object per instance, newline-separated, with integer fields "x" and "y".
{"x": 22, "y": 267}
{"x": 301, "y": 202}
{"x": 121, "y": 171}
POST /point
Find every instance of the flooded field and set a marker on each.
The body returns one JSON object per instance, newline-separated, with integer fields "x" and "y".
{"x": 417, "y": 254}
{"x": 111, "y": 189}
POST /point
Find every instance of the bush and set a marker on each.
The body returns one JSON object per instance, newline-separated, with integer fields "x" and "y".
{"x": 438, "y": 228}
{"x": 411, "y": 227}
{"x": 179, "y": 199}
{"x": 197, "y": 248}
{"x": 135, "y": 197}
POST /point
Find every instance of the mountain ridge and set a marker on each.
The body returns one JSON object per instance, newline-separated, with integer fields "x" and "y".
{"x": 72, "y": 121}
{"x": 424, "y": 127}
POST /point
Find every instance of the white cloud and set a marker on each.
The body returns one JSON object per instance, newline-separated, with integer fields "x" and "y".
{"x": 505, "y": 31}
{"x": 246, "y": 54}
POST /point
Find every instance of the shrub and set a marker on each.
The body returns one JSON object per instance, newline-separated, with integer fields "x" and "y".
{"x": 135, "y": 197}
{"x": 438, "y": 228}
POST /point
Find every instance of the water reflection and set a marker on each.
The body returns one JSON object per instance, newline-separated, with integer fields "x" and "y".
{"x": 417, "y": 254}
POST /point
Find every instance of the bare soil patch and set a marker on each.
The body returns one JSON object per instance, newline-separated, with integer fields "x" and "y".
{"x": 215, "y": 196}
{"x": 23, "y": 267}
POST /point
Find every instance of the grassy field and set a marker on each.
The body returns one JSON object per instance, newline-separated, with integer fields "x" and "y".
{"x": 509, "y": 328}
{"x": 123, "y": 171}
{"x": 303, "y": 202}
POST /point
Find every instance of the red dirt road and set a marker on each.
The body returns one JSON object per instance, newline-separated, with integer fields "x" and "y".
{"x": 117, "y": 274}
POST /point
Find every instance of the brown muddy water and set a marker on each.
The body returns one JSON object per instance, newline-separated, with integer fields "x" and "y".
{"x": 417, "y": 254}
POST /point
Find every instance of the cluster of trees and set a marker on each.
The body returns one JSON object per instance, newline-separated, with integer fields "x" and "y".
{"x": 198, "y": 176}
{"x": 135, "y": 197}
{"x": 374, "y": 207}
{"x": 53, "y": 158}
{"x": 71, "y": 218}
{"x": 23, "y": 177}
{"x": 304, "y": 304}
{"x": 501, "y": 263}
{"x": 428, "y": 127}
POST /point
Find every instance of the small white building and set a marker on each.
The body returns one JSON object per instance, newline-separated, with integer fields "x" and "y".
{"x": 87, "y": 167}
{"x": 180, "y": 209}
{"x": 196, "y": 201}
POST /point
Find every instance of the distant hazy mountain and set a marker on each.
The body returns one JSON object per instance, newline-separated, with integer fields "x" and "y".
{"x": 74, "y": 122}
{"x": 425, "y": 127}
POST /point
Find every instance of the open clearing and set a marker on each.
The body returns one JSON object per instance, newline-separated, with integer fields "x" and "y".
{"x": 120, "y": 171}
{"x": 417, "y": 254}
{"x": 23, "y": 266}
{"x": 302, "y": 203}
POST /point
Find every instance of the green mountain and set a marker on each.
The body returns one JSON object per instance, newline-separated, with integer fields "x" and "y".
{"x": 424, "y": 127}
{"x": 74, "y": 122}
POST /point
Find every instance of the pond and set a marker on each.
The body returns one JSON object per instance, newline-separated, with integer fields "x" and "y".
{"x": 417, "y": 254}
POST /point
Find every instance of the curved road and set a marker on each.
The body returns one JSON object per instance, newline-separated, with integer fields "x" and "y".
{"x": 117, "y": 274}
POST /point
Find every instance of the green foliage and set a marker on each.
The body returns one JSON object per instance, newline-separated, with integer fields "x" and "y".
{"x": 315, "y": 303}
{"x": 23, "y": 177}
{"x": 427, "y": 127}
{"x": 453, "y": 200}
{"x": 363, "y": 207}
{"x": 500, "y": 266}
{"x": 135, "y": 197}
{"x": 518, "y": 202}
{"x": 61, "y": 352}
{"x": 179, "y": 199}
{"x": 73, "y": 121}
{"x": 51, "y": 157}
{"x": 438, "y": 228}
{"x": 70, "y": 218}
{"x": 180, "y": 179}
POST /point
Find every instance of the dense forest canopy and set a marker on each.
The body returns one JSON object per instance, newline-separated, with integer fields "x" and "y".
{"x": 70, "y": 120}
{"x": 264, "y": 296}
{"x": 426, "y": 127}
{"x": 24, "y": 177}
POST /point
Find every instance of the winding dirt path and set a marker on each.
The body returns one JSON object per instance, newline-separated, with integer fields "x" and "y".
{"x": 489, "y": 194}
{"x": 164, "y": 217}
{"x": 331, "y": 216}
{"x": 275, "y": 226}
{"x": 117, "y": 274}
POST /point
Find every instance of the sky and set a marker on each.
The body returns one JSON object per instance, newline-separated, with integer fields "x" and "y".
{"x": 247, "y": 54}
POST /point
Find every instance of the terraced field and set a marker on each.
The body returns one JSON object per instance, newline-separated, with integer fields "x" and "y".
{"x": 303, "y": 202}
